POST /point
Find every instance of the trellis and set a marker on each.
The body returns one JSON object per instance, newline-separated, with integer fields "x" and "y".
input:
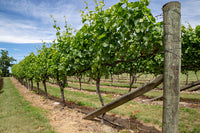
{"x": 171, "y": 76}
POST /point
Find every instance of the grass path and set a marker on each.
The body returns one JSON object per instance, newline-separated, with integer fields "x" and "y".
{"x": 17, "y": 115}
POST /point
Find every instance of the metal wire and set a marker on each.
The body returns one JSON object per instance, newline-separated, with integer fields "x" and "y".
{"x": 160, "y": 16}
{"x": 170, "y": 51}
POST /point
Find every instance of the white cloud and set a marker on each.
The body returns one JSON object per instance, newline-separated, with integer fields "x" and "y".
{"x": 26, "y": 39}
{"x": 191, "y": 8}
{"x": 20, "y": 33}
{"x": 16, "y": 49}
{"x": 39, "y": 25}
{"x": 2, "y": 48}
{"x": 44, "y": 9}
{"x": 191, "y": 12}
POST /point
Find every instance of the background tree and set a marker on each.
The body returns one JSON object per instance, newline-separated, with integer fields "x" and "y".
{"x": 5, "y": 62}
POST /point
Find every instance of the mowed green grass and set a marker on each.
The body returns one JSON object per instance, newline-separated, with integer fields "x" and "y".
{"x": 153, "y": 94}
{"x": 103, "y": 89}
{"x": 17, "y": 115}
{"x": 124, "y": 80}
{"x": 189, "y": 96}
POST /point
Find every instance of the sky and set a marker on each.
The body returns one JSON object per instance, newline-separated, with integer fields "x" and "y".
{"x": 24, "y": 24}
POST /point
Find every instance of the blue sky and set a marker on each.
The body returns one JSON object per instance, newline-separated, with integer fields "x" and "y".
{"x": 25, "y": 23}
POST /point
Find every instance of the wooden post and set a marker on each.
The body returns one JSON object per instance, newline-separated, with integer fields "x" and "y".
{"x": 172, "y": 65}
{"x": 181, "y": 89}
{"x": 195, "y": 88}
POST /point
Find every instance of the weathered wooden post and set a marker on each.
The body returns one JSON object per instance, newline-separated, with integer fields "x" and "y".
{"x": 172, "y": 65}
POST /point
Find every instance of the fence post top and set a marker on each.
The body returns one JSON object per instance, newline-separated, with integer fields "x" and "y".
{"x": 177, "y": 3}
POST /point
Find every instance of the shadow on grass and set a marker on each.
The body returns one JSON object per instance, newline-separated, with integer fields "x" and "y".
{"x": 1, "y": 91}
{"x": 1, "y": 85}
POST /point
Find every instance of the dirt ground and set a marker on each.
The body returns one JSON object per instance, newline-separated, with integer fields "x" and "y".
{"x": 63, "y": 120}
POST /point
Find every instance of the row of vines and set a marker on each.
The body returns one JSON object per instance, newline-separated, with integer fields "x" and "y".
{"x": 124, "y": 38}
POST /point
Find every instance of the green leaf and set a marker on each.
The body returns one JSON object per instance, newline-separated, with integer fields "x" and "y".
{"x": 58, "y": 33}
{"x": 133, "y": 4}
{"x": 105, "y": 44}
{"x": 137, "y": 30}
{"x": 141, "y": 20}
{"x": 101, "y": 36}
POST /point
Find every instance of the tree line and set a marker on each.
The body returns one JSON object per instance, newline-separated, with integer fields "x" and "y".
{"x": 5, "y": 63}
